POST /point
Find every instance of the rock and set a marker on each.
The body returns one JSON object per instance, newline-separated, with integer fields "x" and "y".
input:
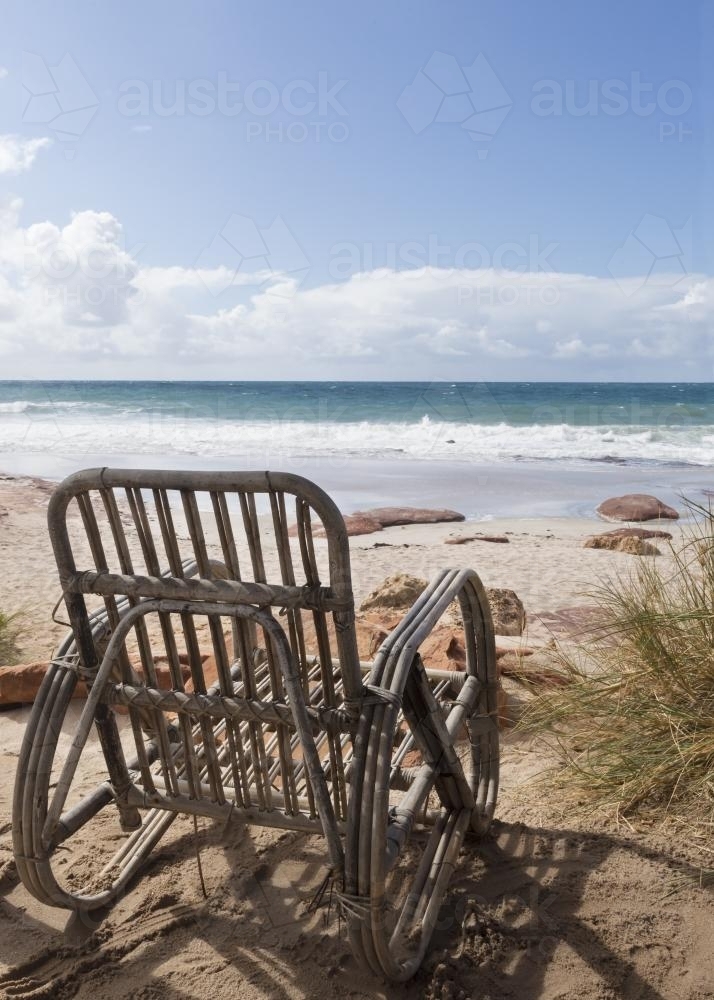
{"x": 397, "y": 592}
{"x": 636, "y": 507}
{"x": 462, "y": 539}
{"x": 366, "y": 522}
{"x": 361, "y": 524}
{"x": 443, "y": 649}
{"x": 602, "y": 542}
{"x": 19, "y": 684}
{"x": 633, "y": 544}
{"x": 388, "y": 517}
{"x": 638, "y": 547}
{"x": 635, "y": 533}
{"x": 509, "y": 615}
{"x": 356, "y": 524}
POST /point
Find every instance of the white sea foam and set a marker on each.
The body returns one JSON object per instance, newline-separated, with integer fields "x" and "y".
{"x": 71, "y": 432}
{"x": 32, "y": 406}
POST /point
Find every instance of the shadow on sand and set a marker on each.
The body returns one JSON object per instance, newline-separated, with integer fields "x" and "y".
{"x": 514, "y": 914}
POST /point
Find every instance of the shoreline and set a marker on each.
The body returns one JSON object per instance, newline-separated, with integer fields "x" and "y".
{"x": 481, "y": 491}
{"x": 544, "y": 561}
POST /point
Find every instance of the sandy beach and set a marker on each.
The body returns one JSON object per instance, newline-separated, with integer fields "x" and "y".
{"x": 355, "y": 337}
{"x": 569, "y": 905}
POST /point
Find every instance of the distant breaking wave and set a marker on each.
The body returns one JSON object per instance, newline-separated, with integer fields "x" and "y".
{"x": 30, "y": 406}
{"x": 75, "y": 428}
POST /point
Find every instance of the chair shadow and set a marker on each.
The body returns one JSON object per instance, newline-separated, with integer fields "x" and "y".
{"x": 253, "y": 927}
{"x": 501, "y": 924}
{"x": 511, "y": 905}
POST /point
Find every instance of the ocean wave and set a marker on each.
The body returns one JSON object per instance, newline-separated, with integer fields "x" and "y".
{"x": 32, "y": 406}
{"x": 270, "y": 440}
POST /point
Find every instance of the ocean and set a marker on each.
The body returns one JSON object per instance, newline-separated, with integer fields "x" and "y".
{"x": 485, "y": 444}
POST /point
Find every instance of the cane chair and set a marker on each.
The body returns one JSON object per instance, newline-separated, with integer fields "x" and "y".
{"x": 237, "y": 586}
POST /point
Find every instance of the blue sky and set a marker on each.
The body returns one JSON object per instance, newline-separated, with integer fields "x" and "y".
{"x": 610, "y": 209}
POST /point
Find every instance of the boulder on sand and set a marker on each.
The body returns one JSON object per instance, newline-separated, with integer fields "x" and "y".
{"x": 463, "y": 539}
{"x": 638, "y": 547}
{"x": 366, "y": 522}
{"x": 633, "y": 544}
{"x": 360, "y": 524}
{"x": 507, "y": 611}
{"x": 356, "y": 524}
{"x": 396, "y": 593}
{"x": 20, "y": 683}
{"x": 388, "y": 517}
{"x": 636, "y": 507}
{"x": 634, "y": 533}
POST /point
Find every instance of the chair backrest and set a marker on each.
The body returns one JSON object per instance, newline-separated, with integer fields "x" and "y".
{"x": 237, "y": 538}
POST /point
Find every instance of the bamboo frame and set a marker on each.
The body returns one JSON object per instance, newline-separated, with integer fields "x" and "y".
{"x": 286, "y": 736}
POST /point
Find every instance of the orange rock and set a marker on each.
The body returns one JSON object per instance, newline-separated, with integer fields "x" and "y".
{"x": 19, "y": 684}
{"x": 356, "y": 524}
{"x": 366, "y": 522}
{"x": 463, "y": 539}
{"x": 444, "y": 649}
{"x": 635, "y": 507}
{"x": 390, "y": 516}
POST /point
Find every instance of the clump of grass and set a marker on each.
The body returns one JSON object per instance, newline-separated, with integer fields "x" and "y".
{"x": 634, "y": 725}
{"x": 9, "y": 638}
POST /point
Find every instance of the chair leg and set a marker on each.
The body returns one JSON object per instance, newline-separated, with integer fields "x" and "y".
{"x": 42, "y": 866}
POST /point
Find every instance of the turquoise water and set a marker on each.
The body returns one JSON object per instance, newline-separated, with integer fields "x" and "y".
{"x": 628, "y": 422}
{"x": 487, "y": 448}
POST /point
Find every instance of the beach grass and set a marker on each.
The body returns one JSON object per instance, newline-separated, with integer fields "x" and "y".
{"x": 632, "y": 721}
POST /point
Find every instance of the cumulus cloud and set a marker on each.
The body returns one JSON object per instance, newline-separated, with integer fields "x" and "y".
{"x": 74, "y": 299}
{"x": 18, "y": 154}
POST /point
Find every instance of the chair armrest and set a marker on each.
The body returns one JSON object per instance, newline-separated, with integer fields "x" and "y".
{"x": 397, "y": 651}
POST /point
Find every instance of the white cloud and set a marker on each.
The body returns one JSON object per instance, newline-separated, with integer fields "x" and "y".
{"x": 18, "y": 154}
{"x": 575, "y": 348}
{"x": 74, "y": 300}
{"x": 3, "y": 72}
